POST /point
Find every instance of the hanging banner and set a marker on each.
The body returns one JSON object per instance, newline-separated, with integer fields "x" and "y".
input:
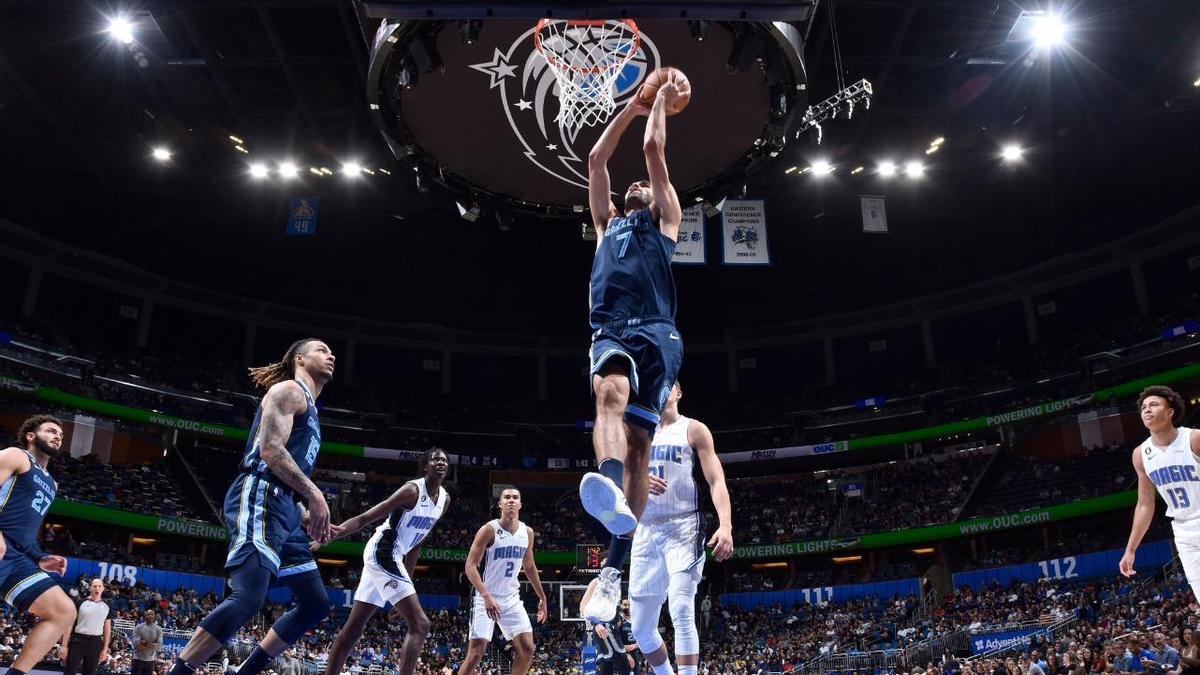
{"x": 784, "y": 453}
{"x": 690, "y": 248}
{"x": 874, "y": 214}
{"x": 744, "y": 232}
{"x": 302, "y": 216}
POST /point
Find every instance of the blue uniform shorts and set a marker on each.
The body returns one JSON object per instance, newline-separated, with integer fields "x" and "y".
{"x": 262, "y": 518}
{"x": 22, "y": 581}
{"x": 654, "y": 349}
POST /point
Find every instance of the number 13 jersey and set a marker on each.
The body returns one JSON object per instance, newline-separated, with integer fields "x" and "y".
{"x": 1175, "y": 472}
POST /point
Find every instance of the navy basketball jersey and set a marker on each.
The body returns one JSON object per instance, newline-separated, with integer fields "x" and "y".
{"x": 631, "y": 274}
{"x": 303, "y": 443}
{"x": 24, "y": 500}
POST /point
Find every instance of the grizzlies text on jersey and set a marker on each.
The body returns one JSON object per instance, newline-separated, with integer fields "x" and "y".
{"x": 24, "y": 500}
{"x": 631, "y": 273}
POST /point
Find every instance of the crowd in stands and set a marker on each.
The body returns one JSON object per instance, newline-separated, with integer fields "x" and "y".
{"x": 932, "y": 491}
{"x": 1026, "y": 482}
{"x": 146, "y": 488}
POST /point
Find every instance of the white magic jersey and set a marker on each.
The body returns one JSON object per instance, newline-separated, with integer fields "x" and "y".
{"x": 503, "y": 559}
{"x": 673, "y": 460}
{"x": 1176, "y": 473}
{"x": 405, "y": 530}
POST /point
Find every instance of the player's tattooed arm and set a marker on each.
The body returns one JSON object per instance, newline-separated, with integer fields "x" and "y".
{"x": 535, "y": 580}
{"x": 280, "y": 406}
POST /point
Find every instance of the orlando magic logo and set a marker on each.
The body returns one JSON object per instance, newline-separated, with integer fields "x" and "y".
{"x": 746, "y": 235}
{"x": 528, "y": 93}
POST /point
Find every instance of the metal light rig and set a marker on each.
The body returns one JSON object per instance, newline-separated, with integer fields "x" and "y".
{"x": 859, "y": 92}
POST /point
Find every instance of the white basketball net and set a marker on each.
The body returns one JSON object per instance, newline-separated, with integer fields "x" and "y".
{"x": 586, "y": 58}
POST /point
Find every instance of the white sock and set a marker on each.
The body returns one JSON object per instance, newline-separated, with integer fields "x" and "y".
{"x": 687, "y": 670}
{"x": 663, "y": 668}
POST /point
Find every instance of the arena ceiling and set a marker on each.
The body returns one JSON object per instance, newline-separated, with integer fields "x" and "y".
{"x": 1110, "y": 123}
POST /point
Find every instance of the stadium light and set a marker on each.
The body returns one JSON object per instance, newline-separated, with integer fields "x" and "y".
{"x": 822, "y": 167}
{"x": 887, "y": 169}
{"x": 259, "y": 170}
{"x": 1196, "y": 83}
{"x": 236, "y": 140}
{"x": 1048, "y": 31}
{"x": 352, "y": 169}
{"x": 288, "y": 170}
{"x": 121, "y": 29}
{"x": 1011, "y": 152}
{"x": 161, "y": 153}
{"x": 914, "y": 169}
{"x": 857, "y": 170}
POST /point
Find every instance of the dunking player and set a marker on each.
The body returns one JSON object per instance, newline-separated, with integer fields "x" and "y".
{"x": 668, "y": 551}
{"x": 504, "y": 546}
{"x": 266, "y": 539}
{"x": 390, "y": 560}
{"x": 26, "y": 491}
{"x": 1168, "y": 462}
{"x": 636, "y": 350}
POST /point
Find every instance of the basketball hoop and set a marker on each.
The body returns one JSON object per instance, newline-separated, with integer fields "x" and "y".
{"x": 586, "y": 58}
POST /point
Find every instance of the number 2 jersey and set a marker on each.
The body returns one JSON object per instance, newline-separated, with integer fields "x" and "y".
{"x": 503, "y": 560}
{"x": 1175, "y": 472}
{"x": 405, "y": 529}
{"x": 24, "y": 500}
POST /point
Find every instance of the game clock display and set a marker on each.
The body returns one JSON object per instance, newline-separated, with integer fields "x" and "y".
{"x": 589, "y": 558}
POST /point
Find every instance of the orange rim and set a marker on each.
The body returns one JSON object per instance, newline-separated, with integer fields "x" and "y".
{"x": 554, "y": 61}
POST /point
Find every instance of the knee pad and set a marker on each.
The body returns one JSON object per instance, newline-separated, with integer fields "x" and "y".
{"x": 644, "y": 622}
{"x": 682, "y": 605}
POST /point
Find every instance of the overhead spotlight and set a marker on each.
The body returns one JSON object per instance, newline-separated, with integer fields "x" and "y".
{"x": 857, "y": 170}
{"x": 1011, "y": 152}
{"x": 288, "y": 170}
{"x": 352, "y": 169}
{"x": 469, "y": 214}
{"x": 314, "y": 171}
{"x": 1048, "y": 31}
{"x": 822, "y": 168}
{"x": 259, "y": 170}
{"x": 932, "y": 149}
{"x": 937, "y": 141}
{"x": 790, "y": 170}
{"x": 241, "y": 149}
{"x": 469, "y": 29}
{"x": 369, "y": 172}
{"x": 121, "y": 29}
{"x": 326, "y": 171}
{"x": 236, "y": 140}
{"x": 887, "y": 169}
{"x": 384, "y": 171}
{"x": 1196, "y": 83}
{"x": 161, "y": 153}
{"x": 699, "y": 29}
{"x": 914, "y": 169}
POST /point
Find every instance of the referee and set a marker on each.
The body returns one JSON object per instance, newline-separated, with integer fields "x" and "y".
{"x": 614, "y": 651}
{"x": 88, "y": 645}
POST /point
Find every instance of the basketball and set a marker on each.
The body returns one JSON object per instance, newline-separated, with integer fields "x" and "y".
{"x": 660, "y": 77}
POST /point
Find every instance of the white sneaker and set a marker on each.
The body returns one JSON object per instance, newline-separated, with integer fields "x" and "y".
{"x": 605, "y": 597}
{"x": 605, "y": 502}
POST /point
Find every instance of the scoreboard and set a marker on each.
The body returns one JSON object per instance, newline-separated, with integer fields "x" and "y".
{"x": 589, "y": 558}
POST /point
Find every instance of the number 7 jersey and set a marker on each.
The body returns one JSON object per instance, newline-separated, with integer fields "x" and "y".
{"x": 24, "y": 500}
{"x": 1175, "y": 472}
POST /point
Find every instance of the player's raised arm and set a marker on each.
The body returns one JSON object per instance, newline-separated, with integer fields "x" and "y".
{"x": 666, "y": 201}
{"x": 701, "y": 439}
{"x": 599, "y": 184}
{"x": 1143, "y": 513}
{"x": 403, "y": 498}
{"x": 535, "y": 580}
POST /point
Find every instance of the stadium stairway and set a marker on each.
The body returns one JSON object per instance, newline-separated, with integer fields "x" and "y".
{"x": 193, "y": 483}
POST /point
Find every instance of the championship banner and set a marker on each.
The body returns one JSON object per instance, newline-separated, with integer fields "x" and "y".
{"x": 690, "y": 248}
{"x": 874, "y": 214}
{"x": 744, "y": 232}
{"x": 302, "y": 216}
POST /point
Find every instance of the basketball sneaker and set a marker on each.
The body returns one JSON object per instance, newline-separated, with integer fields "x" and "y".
{"x": 605, "y": 502}
{"x": 606, "y": 595}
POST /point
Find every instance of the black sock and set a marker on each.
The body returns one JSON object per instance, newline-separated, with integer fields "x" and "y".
{"x": 614, "y": 469}
{"x": 17, "y": 672}
{"x": 180, "y": 667}
{"x": 618, "y": 548}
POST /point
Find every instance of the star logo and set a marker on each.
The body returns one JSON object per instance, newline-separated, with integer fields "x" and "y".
{"x": 497, "y": 69}
{"x": 524, "y": 105}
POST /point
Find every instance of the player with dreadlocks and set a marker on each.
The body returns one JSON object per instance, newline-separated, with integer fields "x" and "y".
{"x": 390, "y": 560}
{"x": 267, "y": 542}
